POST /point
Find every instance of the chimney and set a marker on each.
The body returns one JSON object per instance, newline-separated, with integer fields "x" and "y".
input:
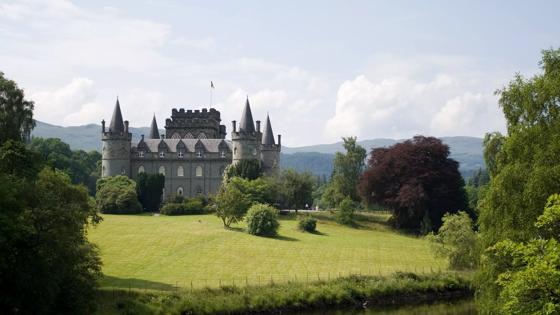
{"x": 103, "y": 126}
{"x": 234, "y": 124}
{"x": 163, "y": 136}
{"x": 258, "y": 126}
{"x": 126, "y": 126}
{"x": 142, "y": 137}
{"x": 279, "y": 140}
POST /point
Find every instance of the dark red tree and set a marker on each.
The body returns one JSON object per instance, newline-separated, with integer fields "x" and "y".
{"x": 417, "y": 180}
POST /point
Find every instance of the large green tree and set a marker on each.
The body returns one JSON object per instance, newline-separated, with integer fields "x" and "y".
{"x": 348, "y": 168}
{"x": 16, "y": 113}
{"x": 527, "y": 167}
{"x": 117, "y": 195}
{"x": 297, "y": 188}
{"x": 150, "y": 190}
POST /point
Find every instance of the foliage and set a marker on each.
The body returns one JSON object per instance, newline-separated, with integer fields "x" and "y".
{"x": 527, "y": 167}
{"x": 529, "y": 273}
{"x": 16, "y": 113}
{"x": 396, "y": 289}
{"x": 260, "y": 190}
{"x": 262, "y": 220}
{"x": 456, "y": 240}
{"x": 231, "y": 204}
{"x": 117, "y": 195}
{"x": 347, "y": 170}
{"x": 82, "y": 167}
{"x": 18, "y": 161}
{"x": 417, "y": 180}
{"x": 307, "y": 223}
{"x": 345, "y": 213}
{"x": 297, "y": 189}
{"x": 248, "y": 169}
{"x": 47, "y": 264}
{"x": 187, "y": 206}
{"x": 150, "y": 190}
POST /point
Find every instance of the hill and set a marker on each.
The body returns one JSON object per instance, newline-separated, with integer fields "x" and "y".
{"x": 317, "y": 159}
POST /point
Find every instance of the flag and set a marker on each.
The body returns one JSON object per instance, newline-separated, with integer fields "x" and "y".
{"x": 211, "y": 84}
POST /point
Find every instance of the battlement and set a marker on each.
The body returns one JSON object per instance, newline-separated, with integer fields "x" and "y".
{"x": 196, "y": 114}
{"x": 199, "y": 123}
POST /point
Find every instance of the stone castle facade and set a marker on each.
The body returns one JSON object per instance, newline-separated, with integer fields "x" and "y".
{"x": 192, "y": 154}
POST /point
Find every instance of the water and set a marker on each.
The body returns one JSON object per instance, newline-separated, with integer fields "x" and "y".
{"x": 465, "y": 307}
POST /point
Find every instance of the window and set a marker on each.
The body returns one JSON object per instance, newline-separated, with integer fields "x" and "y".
{"x": 198, "y": 190}
{"x": 254, "y": 151}
{"x": 180, "y": 154}
{"x": 198, "y": 154}
{"x": 180, "y": 171}
{"x": 141, "y": 169}
{"x": 175, "y": 136}
{"x": 161, "y": 154}
{"x": 222, "y": 169}
{"x": 140, "y": 153}
{"x": 123, "y": 171}
{"x": 198, "y": 171}
{"x": 180, "y": 191}
{"x": 202, "y": 135}
{"x": 189, "y": 136}
{"x": 162, "y": 170}
{"x": 235, "y": 150}
{"x": 223, "y": 154}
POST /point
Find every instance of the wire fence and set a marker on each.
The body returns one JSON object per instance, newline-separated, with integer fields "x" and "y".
{"x": 243, "y": 281}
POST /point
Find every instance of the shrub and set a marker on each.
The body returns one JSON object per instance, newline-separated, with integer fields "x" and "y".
{"x": 307, "y": 223}
{"x": 117, "y": 195}
{"x": 262, "y": 220}
{"x": 345, "y": 214}
{"x": 189, "y": 206}
{"x": 230, "y": 205}
{"x": 150, "y": 189}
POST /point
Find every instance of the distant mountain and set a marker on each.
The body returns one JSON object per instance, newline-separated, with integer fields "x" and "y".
{"x": 317, "y": 159}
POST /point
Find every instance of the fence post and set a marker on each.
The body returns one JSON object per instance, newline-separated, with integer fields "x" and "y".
{"x": 246, "y": 281}
{"x": 191, "y": 286}
{"x": 220, "y": 282}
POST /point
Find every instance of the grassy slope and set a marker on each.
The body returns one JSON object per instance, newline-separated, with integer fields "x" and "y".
{"x": 160, "y": 252}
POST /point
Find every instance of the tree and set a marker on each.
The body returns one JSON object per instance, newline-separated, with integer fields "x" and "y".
{"x": 117, "y": 195}
{"x": 417, "y": 180}
{"x": 262, "y": 220}
{"x": 47, "y": 264}
{"x": 248, "y": 169}
{"x": 345, "y": 214}
{"x": 230, "y": 205}
{"x": 16, "y": 113}
{"x": 528, "y": 278}
{"x": 16, "y": 160}
{"x": 527, "y": 167}
{"x": 297, "y": 188}
{"x": 456, "y": 240}
{"x": 348, "y": 168}
{"x": 150, "y": 190}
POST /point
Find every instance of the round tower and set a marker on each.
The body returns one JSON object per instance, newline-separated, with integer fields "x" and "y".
{"x": 115, "y": 154}
{"x": 270, "y": 151}
{"x": 246, "y": 141}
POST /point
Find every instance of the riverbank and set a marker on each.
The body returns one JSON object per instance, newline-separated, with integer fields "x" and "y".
{"x": 353, "y": 291}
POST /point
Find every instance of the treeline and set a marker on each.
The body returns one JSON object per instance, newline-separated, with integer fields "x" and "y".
{"x": 47, "y": 264}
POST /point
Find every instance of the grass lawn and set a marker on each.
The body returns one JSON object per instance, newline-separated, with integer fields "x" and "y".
{"x": 161, "y": 252}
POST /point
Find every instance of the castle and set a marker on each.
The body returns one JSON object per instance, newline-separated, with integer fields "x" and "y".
{"x": 192, "y": 154}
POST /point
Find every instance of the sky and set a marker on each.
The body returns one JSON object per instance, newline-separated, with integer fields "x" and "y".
{"x": 321, "y": 69}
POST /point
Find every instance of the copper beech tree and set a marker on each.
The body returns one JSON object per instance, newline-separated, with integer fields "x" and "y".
{"x": 417, "y": 180}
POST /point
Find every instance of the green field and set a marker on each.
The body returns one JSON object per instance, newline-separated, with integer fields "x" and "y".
{"x": 162, "y": 252}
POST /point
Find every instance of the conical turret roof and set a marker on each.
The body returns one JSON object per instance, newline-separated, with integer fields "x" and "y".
{"x": 117, "y": 124}
{"x": 247, "y": 123}
{"x": 154, "y": 131}
{"x": 268, "y": 136}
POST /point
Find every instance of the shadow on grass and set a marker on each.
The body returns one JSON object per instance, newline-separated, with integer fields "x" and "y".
{"x": 285, "y": 238}
{"x": 132, "y": 283}
{"x": 235, "y": 229}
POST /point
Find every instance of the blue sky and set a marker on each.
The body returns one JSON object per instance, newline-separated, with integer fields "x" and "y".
{"x": 322, "y": 69}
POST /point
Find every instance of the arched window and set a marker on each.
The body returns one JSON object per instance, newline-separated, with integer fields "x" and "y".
{"x": 198, "y": 171}
{"x": 162, "y": 170}
{"x": 141, "y": 169}
{"x": 189, "y": 136}
{"x": 180, "y": 171}
{"x": 222, "y": 169}
{"x": 235, "y": 150}
{"x": 175, "y": 136}
{"x": 123, "y": 170}
{"x": 198, "y": 189}
{"x": 180, "y": 191}
{"x": 202, "y": 135}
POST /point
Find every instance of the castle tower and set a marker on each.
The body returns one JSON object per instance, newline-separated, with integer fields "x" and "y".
{"x": 116, "y": 145}
{"x": 154, "y": 131}
{"x": 270, "y": 151}
{"x": 246, "y": 141}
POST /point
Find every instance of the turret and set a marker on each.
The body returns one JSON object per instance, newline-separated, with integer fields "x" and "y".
{"x": 116, "y": 146}
{"x": 154, "y": 131}
{"x": 270, "y": 151}
{"x": 246, "y": 140}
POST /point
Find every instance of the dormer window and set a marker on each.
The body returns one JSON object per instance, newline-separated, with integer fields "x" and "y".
{"x": 223, "y": 154}
{"x": 161, "y": 154}
{"x": 180, "y": 154}
{"x": 141, "y": 154}
{"x": 198, "y": 154}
